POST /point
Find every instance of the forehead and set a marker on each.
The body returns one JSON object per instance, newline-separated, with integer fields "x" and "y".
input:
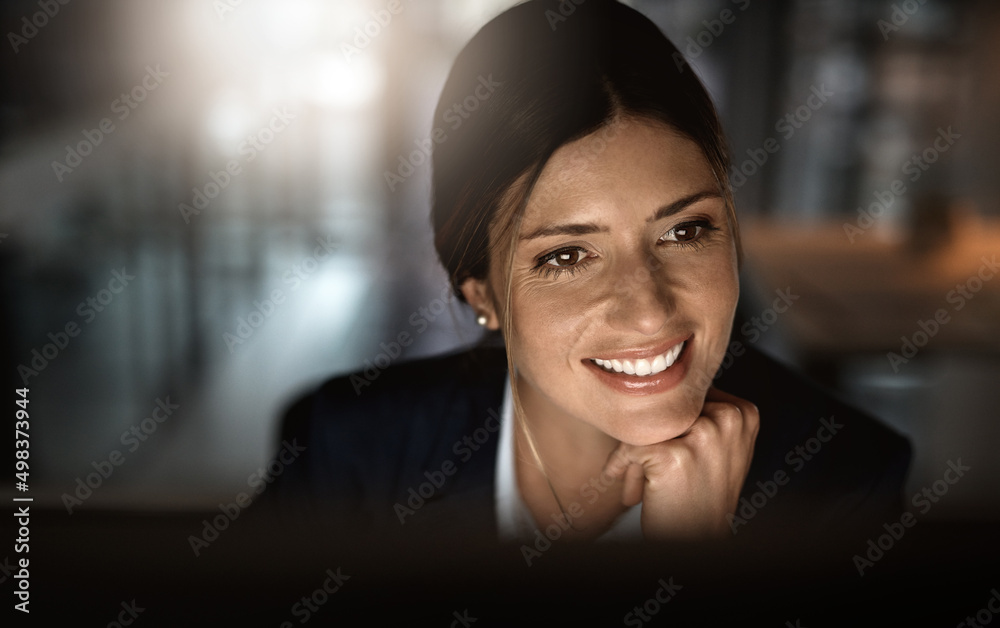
{"x": 629, "y": 163}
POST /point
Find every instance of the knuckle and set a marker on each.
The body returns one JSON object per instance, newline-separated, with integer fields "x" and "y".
{"x": 752, "y": 419}
{"x": 672, "y": 458}
{"x": 701, "y": 434}
{"x": 677, "y": 459}
{"x": 730, "y": 417}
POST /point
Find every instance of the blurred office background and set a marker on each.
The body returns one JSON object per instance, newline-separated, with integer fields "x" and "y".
{"x": 830, "y": 107}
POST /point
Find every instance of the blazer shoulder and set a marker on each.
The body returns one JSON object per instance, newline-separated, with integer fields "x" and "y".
{"x": 401, "y": 392}
{"x": 369, "y": 435}
{"x": 840, "y": 460}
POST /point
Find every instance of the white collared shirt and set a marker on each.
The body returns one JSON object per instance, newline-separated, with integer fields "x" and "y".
{"x": 514, "y": 520}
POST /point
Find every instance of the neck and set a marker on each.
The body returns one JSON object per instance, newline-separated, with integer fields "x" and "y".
{"x": 573, "y": 454}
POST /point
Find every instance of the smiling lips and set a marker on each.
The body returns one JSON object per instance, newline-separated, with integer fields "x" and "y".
{"x": 641, "y": 366}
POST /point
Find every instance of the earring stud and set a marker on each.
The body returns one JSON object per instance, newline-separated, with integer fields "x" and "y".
{"x": 482, "y": 320}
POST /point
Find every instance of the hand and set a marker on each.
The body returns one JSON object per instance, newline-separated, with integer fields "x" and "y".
{"x": 688, "y": 484}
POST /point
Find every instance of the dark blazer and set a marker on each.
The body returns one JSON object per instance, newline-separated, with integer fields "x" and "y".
{"x": 414, "y": 447}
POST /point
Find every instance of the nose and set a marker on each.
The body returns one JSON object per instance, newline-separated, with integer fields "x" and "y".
{"x": 641, "y": 298}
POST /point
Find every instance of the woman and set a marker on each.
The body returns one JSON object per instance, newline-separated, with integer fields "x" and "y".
{"x": 583, "y": 211}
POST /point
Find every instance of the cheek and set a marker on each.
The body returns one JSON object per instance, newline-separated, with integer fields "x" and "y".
{"x": 715, "y": 301}
{"x": 548, "y": 316}
{"x": 721, "y": 296}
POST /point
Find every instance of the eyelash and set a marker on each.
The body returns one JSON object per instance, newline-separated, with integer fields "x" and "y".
{"x": 706, "y": 230}
{"x": 547, "y": 270}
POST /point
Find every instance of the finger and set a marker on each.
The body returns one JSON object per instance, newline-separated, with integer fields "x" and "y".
{"x": 716, "y": 396}
{"x": 618, "y": 462}
{"x": 634, "y": 482}
{"x": 731, "y": 414}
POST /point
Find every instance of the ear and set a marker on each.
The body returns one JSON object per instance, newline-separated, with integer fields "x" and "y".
{"x": 480, "y": 297}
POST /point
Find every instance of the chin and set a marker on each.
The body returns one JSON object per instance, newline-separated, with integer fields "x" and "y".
{"x": 675, "y": 419}
{"x": 674, "y": 423}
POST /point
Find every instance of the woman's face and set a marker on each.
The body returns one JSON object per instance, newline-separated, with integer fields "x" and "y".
{"x": 624, "y": 284}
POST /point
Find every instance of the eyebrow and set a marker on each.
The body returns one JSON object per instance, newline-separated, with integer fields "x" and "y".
{"x": 589, "y": 227}
{"x": 682, "y": 203}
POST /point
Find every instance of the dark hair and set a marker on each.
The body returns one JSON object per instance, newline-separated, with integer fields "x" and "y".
{"x": 555, "y": 78}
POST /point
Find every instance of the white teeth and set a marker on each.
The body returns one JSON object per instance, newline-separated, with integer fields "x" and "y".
{"x": 674, "y": 353}
{"x": 642, "y": 366}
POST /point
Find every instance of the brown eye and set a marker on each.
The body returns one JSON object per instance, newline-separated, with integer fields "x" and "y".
{"x": 687, "y": 234}
{"x": 684, "y": 233}
{"x": 565, "y": 257}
